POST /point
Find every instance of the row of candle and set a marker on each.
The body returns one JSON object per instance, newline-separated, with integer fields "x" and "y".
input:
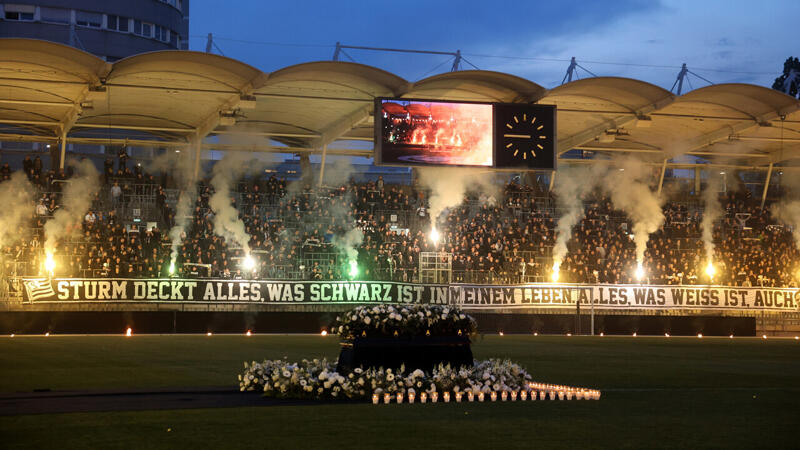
{"x": 566, "y": 391}
{"x": 544, "y": 394}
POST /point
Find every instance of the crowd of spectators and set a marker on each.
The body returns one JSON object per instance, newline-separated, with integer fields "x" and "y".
{"x": 299, "y": 231}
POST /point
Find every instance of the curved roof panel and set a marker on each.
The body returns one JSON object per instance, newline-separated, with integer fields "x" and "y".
{"x": 477, "y": 85}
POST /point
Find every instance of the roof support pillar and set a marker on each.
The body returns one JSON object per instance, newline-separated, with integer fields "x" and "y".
{"x": 322, "y": 164}
{"x": 63, "y": 143}
{"x": 661, "y": 178}
{"x": 766, "y": 186}
{"x": 552, "y": 180}
{"x": 697, "y": 181}
{"x": 196, "y": 148}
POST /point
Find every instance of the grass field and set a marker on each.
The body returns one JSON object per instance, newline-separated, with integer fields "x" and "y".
{"x": 657, "y": 393}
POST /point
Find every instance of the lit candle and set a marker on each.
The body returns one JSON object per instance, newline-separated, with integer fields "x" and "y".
{"x": 494, "y": 396}
{"x": 458, "y": 397}
{"x": 597, "y": 395}
{"x": 471, "y": 396}
{"x": 399, "y": 398}
{"x": 504, "y": 395}
{"x": 434, "y": 397}
{"x": 411, "y": 397}
{"x": 446, "y": 397}
{"x": 579, "y": 394}
{"x": 423, "y": 397}
{"x": 569, "y": 394}
{"x": 387, "y": 398}
{"x": 542, "y": 395}
{"x": 374, "y": 399}
{"x": 561, "y": 395}
{"x": 523, "y": 395}
{"x": 480, "y": 397}
{"x": 513, "y": 396}
{"x": 552, "y": 395}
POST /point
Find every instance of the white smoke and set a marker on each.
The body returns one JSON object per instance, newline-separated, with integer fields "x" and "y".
{"x": 182, "y": 167}
{"x": 788, "y": 212}
{"x": 629, "y": 192}
{"x": 18, "y": 206}
{"x": 572, "y": 186}
{"x": 712, "y": 211}
{"x": 76, "y": 200}
{"x": 449, "y": 186}
{"x": 348, "y": 242}
{"x": 226, "y": 172}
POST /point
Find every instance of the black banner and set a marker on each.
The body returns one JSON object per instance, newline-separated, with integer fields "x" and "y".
{"x": 58, "y": 290}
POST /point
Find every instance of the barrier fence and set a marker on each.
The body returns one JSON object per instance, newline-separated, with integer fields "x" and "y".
{"x": 608, "y": 297}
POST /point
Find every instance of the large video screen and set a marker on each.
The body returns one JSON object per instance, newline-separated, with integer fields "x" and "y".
{"x": 415, "y": 132}
{"x": 435, "y": 133}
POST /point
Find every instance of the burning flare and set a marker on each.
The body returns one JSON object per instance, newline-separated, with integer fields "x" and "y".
{"x": 353, "y": 268}
{"x": 639, "y": 271}
{"x": 710, "y": 270}
{"x": 49, "y": 262}
{"x": 434, "y": 236}
{"x": 556, "y": 270}
{"x": 249, "y": 263}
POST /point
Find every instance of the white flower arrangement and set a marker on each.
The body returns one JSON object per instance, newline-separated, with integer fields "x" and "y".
{"x": 318, "y": 379}
{"x": 411, "y": 320}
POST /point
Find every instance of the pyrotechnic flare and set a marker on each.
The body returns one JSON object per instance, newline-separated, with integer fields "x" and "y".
{"x": 353, "y": 272}
{"x": 434, "y": 236}
{"x": 172, "y": 267}
{"x": 639, "y": 271}
{"x": 49, "y": 263}
{"x": 249, "y": 263}
{"x": 556, "y": 270}
{"x": 710, "y": 270}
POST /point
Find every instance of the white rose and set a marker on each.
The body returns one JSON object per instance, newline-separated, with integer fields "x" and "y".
{"x": 367, "y": 320}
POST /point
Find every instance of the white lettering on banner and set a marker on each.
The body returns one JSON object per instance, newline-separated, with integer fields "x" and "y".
{"x": 603, "y": 297}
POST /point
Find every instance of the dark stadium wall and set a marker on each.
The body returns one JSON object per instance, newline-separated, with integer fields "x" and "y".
{"x": 73, "y": 322}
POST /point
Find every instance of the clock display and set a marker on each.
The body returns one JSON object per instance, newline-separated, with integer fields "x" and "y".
{"x": 524, "y": 136}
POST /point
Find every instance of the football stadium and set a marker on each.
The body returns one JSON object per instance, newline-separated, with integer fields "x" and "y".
{"x": 525, "y": 251}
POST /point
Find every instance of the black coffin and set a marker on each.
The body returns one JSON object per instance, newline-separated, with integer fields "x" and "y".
{"x": 424, "y": 352}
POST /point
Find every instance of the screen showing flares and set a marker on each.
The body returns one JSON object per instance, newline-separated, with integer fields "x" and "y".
{"x": 413, "y": 132}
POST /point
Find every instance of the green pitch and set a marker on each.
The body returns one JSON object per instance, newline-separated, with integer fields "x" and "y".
{"x": 657, "y": 393}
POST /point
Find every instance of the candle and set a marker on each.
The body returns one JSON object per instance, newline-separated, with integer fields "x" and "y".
{"x": 471, "y": 396}
{"x": 569, "y": 394}
{"x": 458, "y": 397}
{"x": 513, "y": 396}
{"x": 374, "y": 399}
{"x": 494, "y": 396}
{"x": 551, "y": 394}
{"x": 399, "y": 398}
{"x": 387, "y": 398}
{"x": 480, "y": 397}
{"x": 446, "y": 397}
{"x": 434, "y": 397}
{"x": 504, "y": 395}
{"x": 542, "y": 395}
{"x": 579, "y": 394}
{"x": 561, "y": 395}
{"x": 411, "y": 397}
{"x": 423, "y": 397}
{"x": 523, "y": 395}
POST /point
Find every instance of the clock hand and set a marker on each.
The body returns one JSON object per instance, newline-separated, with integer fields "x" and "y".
{"x": 521, "y": 136}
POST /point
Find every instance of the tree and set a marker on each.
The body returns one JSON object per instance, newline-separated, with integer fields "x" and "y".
{"x": 789, "y": 81}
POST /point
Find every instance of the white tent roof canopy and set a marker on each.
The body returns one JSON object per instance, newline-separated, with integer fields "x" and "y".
{"x": 168, "y": 98}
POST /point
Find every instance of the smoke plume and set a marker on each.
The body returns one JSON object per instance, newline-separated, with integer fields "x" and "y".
{"x": 182, "y": 167}
{"x": 449, "y": 185}
{"x": 630, "y": 193}
{"x": 76, "y": 200}
{"x": 348, "y": 242}
{"x": 712, "y": 211}
{"x": 17, "y": 195}
{"x": 572, "y": 186}
{"x": 788, "y": 212}
{"x": 226, "y": 172}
